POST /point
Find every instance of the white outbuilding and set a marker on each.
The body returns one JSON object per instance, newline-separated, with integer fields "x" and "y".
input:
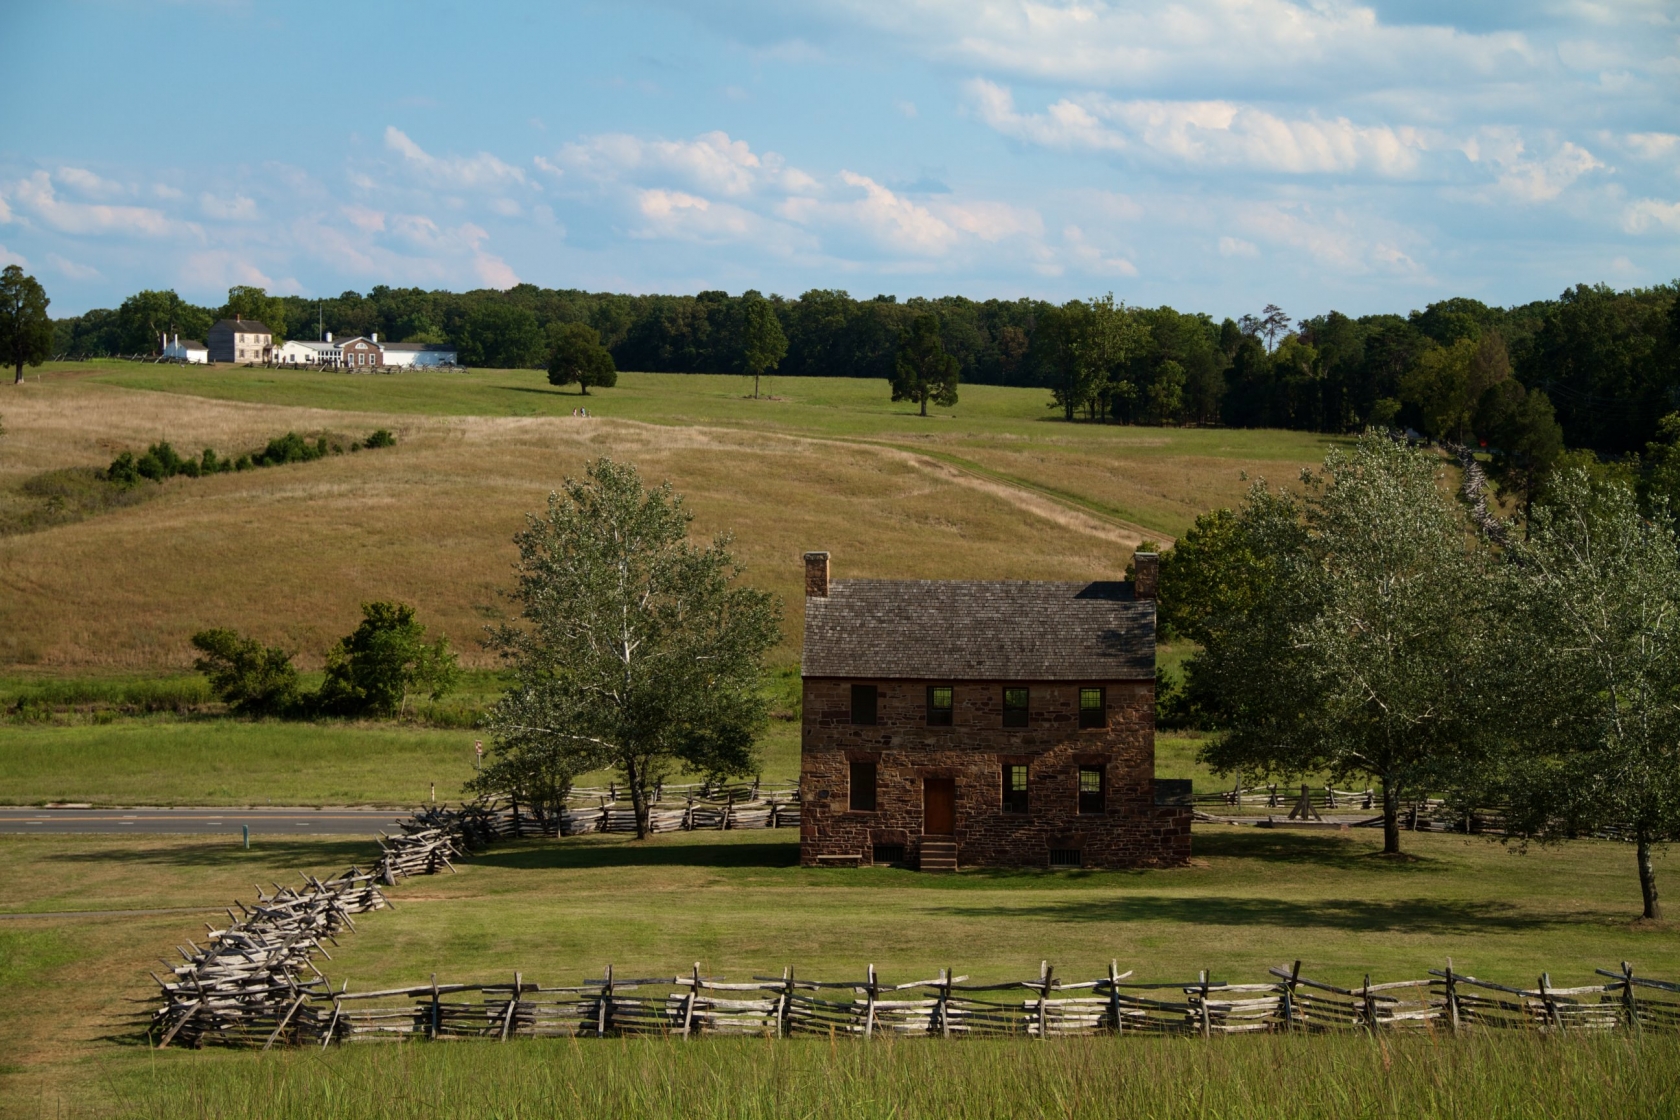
{"x": 188, "y": 350}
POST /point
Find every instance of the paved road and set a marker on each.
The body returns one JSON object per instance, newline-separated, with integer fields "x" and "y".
{"x": 292, "y": 821}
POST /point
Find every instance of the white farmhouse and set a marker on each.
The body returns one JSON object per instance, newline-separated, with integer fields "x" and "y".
{"x": 188, "y": 350}
{"x": 299, "y": 352}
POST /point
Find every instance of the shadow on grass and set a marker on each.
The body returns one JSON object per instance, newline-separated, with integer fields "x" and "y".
{"x": 268, "y": 857}
{"x": 1318, "y": 849}
{"x": 573, "y": 856}
{"x": 1398, "y": 915}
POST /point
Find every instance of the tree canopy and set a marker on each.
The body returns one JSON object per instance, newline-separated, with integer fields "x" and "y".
{"x": 633, "y": 649}
{"x": 26, "y": 333}
{"x": 923, "y": 370}
{"x": 576, "y": 356}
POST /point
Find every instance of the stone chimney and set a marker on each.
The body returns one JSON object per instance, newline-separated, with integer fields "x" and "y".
{"x": 816, "y": 574}
{"x": 1146, "y": 574}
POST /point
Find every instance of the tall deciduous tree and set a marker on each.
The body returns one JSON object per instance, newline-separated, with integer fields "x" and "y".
{"x": 248, "y": 302}
{"x": 1592, "y": 687}
{"x": 26, "y": 334}
{"x": 924, "y": 371}
{"x": 1357, "y": 657}
{"x": 763, "y": 345}
{"x": 576, "y": 355}
{"x": 632, "y": 648}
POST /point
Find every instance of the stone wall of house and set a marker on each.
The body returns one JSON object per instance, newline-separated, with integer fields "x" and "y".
{"x": 1132, "y": 831}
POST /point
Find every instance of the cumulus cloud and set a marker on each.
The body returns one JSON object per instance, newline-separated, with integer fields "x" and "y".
{"x": 479, "y": 172}
{"x": 236, "y": 209}
{"x": 8, "y": 257}
{"x": 1522, "y": 176}
{"x": 89, "y": 185}
{"x": 71, "y": 270}
{"x": 37, "y": 196}
{"x": 1651, "y": 213}
{"x": 712, "y": 163}
{"x": 1202, "y": 133}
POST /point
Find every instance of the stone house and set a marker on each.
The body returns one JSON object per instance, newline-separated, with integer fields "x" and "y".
{"x": 239, "y": 340}
{"x": 983, "y": 723}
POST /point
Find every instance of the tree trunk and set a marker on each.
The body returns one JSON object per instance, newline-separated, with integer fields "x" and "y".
{"x": 1647, "y": 875}
{"x": 1391, "y": 817}
{"x": 924, "y": 402}
{"x": 634, "y": 777}
{"x": 755, "y": 386}
{"x": 19, "y": 379}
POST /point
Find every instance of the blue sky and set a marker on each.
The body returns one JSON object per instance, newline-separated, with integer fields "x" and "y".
{"x": 1211, "y": 154}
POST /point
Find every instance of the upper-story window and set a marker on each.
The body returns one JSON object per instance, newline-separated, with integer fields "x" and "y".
{"x": 1015, "y": 707}
{"x": 863, "y": 705}
{"x": 1093, "y": 710}
{"x": 940, "y": 704}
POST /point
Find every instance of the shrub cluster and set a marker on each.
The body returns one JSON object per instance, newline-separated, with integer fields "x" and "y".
{"x": 371, "y": 672}
{"x": 161, "y": 461}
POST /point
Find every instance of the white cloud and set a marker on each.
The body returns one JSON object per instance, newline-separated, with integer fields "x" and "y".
{"x": 1652, "y": 145}
{"x": 72, "y": 270}
{"x": 165, "y": 191}
{"x": 239, "y": 208}
{"x": 1237, "y": 247}
{"x": 36, "y": 195}
{"x": 1651, "y": 213}
{"x": 712, "y": 163}
{"x": 1202, "y": 133}
{"x": 1092, "y": 259}
{"x": 455, "y": 172}
{"x": 8, "y": 257}
{"x": 494, "y": 272}
{"x": 1521, "y": 176}
{"x": 506, "y": 207}
{"x": 5, "y": 210}
{"x": 364, "y": 219}
{"x": 88, "y": 184}
{"x": 215, "y": 269}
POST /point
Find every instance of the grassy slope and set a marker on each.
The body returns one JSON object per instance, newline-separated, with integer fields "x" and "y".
{"x": 558, "y": 911}
{"x": 287, "y": 553}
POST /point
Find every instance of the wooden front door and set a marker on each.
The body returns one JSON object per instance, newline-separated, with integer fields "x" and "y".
{"x": 939, "y": 806}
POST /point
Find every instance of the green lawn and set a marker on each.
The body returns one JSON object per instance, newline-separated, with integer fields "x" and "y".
{"x": 559, "y": 910}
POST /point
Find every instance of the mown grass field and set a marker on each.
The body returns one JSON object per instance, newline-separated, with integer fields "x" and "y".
{"x": 288, "y": 553}
{"x": 736, "y": 902}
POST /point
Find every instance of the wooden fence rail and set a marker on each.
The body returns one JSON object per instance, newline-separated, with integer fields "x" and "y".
{"x": 255, "y": 983}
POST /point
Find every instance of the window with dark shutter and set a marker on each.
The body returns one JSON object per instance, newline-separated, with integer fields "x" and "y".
{"x": 1091, "y": 791}
{"x": 1014, "y": 788}
{"x": 940, "y": 698}
{"x": 862, "y": 798}
{"x": 863, "y": 705}
{"x": 1014, "y": 707}
{"x": 1093, "y": 712}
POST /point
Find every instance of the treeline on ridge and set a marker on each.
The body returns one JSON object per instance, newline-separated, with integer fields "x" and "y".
{"x": 1607, "y": 362}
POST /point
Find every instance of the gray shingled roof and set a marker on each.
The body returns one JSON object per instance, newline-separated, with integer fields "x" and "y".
{"x": 243, "y": 326}
{"x": 979, "y": 630}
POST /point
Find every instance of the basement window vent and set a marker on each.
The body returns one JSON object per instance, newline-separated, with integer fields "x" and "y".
{"x": 889, "y": 854}
{"x": 1064, "y": 857}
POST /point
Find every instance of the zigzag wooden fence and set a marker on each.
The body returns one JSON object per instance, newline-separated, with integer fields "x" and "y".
{"x": 255, "y": 983}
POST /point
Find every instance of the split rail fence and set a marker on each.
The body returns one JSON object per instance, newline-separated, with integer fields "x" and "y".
{"x": 255, "y": 983}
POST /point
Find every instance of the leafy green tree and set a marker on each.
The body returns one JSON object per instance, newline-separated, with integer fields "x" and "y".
{"x": 1520, "y": 429}
{"x": 146, "y": 316}
{"x": 632, "y": 648}
{"x": 26, "y": 334}
{"x": 1660, "y": 475}
{"x": 576, "y": 355}
{"x": 249, "y": 677}
{"x": 763, "y": 345}
{"x": 1357, "y": 655}
{"x": 1592, "y": 682}
{"x": 388, "y": 657}
{"x": 499, "y": 335}
{"x": 923, "y": 370}
{"x": 247, "y": 302}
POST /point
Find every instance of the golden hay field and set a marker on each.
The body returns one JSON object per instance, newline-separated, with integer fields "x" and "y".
{"x": 288, "y": 553}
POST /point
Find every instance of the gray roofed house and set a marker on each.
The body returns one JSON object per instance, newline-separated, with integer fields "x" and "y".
{"x": 239, "y": 340}
{"x": 983, "y": 722}
{"x": 979, "y": 630}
